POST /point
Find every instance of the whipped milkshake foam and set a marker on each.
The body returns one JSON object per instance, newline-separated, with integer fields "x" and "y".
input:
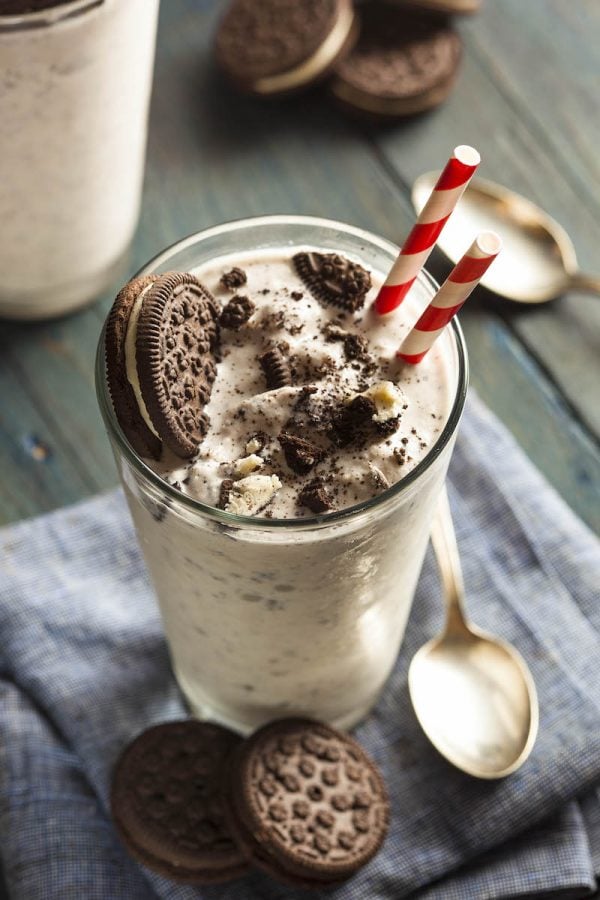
{"x": 75, "y": 84}
{"x": 267, "y": 617}
{"x": 364, "y": 420}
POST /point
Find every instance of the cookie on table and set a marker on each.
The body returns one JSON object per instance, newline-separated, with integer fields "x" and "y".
{"x": 306, "y": 803}
{"x": 160, "y": 345}
{"x": 167, "y": 805}
{"x": 274, "y": 47}
{"x": 404, "y": 63}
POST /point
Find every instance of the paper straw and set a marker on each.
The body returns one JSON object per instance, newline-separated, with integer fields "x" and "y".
{"x": 464, "y": 277}
{"x": 421, "y": 240}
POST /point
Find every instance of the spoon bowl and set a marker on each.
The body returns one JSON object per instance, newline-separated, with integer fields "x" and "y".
{"x": 538, "y": 260}
{"x": 472, "y": 693}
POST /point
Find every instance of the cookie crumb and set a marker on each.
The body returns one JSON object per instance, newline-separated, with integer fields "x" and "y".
{"x": 301, "y": 455}
{"x": 233, "y": 279}
{"x": 237, "y": 312}
{"x": 276, "y": 369}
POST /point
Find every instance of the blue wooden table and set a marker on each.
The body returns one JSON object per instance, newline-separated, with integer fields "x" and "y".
{"x": 527, "y": 98}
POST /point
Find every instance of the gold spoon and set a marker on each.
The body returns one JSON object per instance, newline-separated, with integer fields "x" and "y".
{"x": 472, "y": 693}
{"x": 538, "y": 260}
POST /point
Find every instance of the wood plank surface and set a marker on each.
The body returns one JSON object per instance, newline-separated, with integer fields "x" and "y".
{"x": 525, "y": 97}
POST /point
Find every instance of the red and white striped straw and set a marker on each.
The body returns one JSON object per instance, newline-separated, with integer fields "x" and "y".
{"x": 464, "y": 278}
{"x": 432, "y": 218}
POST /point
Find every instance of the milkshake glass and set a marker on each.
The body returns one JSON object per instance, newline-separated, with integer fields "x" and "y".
{"x": 273, "y": 617}
{"x": 75, "y": 81}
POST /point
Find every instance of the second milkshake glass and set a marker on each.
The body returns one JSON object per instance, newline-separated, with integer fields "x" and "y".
{"x": 267, "y": 618}
{"x": 75, "y": 82}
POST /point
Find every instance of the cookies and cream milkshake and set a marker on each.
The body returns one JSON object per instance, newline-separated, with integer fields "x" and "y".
{"x": 75, "y": 80}
{"x": 281, "y": 466}
{"x": 309, "y": 411}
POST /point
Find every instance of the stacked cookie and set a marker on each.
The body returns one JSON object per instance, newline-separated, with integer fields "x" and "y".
{"x": 383, "y": 58}
{"x": 298, "y": 799}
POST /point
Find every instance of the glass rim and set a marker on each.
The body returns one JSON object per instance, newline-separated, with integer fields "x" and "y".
{"x": 395, "y": 490}
{"x": 45, "y": 18}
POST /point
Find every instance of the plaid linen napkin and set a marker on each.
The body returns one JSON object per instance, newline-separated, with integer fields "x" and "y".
{"x": 84, "y": 668}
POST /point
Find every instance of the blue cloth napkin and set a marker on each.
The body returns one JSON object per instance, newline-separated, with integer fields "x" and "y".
{"x": 84, "y": 668}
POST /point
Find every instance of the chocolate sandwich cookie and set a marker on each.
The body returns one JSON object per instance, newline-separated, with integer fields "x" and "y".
{"x": 167, "y": 806}
{"x": 161, "y": 339}
{"x": 273, "y": 47}
{"x": 404, "y": 63}
{"x": 306, "y": 802}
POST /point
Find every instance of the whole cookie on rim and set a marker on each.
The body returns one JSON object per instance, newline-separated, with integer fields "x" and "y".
{"x": 276, "y": 46}
{"x": 161, "y": 340}
{"x": 167, "y": 806}
{"x": 306, "y": 802}
{"x": 404, "y": 63}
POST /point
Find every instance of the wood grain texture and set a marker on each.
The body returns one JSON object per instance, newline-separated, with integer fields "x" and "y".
{"x": 565, "y": 334}
{"x": 525, "y": 98}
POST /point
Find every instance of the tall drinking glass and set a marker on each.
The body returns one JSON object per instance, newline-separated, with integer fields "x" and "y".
{"x": 273, "y": 617}
{"x": 75, "y": 82}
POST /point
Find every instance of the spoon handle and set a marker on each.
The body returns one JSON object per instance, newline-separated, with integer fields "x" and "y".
{"x": 589, "y": 284}
{"x": 445, "y": 548}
